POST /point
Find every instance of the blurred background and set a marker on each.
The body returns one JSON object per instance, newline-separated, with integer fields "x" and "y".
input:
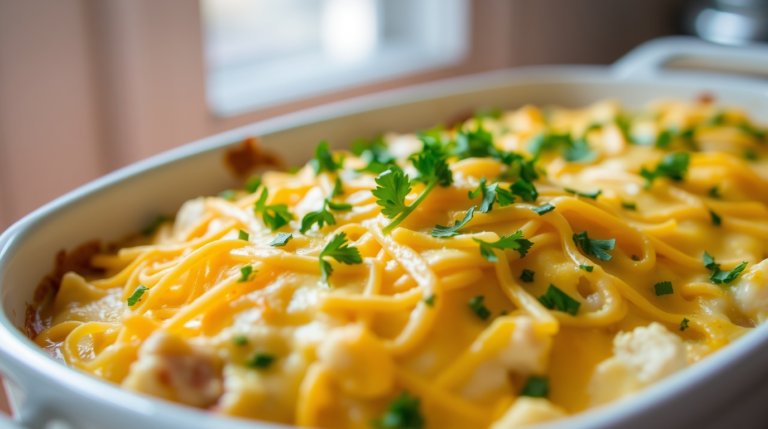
{"x": 88, "y": 86}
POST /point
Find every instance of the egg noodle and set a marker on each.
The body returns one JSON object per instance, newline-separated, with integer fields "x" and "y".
{"x": 516, "y": 268}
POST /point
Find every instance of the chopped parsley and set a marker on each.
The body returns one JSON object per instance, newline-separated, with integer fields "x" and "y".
{"x": 450, "y": 231}
{"x": 525, "y": 190}
{"x": 402, "y": 413}
{"x": 556, "y": 299}
{"x": 513, "y": 242}
{"x": 246, "y": 274}
{"x": 320, "y": 217}
{"x": 684, "y": 324}
{"x": 393, "y": 186}
{"x": 152, "y": 227}
{"x": 136, "y": 295}
{"x": 242, "y": 235}
{"x": 592, "y": 194}
{"x": 587, "y": 268}
{"x": 673, "y": 166}
{"x": 663, "y": 288}
{"x": 252, "y": 184}
{"x": 664, "y": 139}
{"x": 240, "y": 340}
{"x": 578, "y": 151}
{"x": 596, "y": 248}
{"x": 750, "y": 155}
{"x": 718, "y": 276}
{"x": 714, "y": 192}
{"x": 338, "y": 249}
{"x": 629, "y": 206}
{"x": 546, "y": 208}
{"x": 536, "y": 387}
{"x": 275, "y": 215}
{"x": 476, "y": 304}
{"x": 339, "y": 207}
{"x": 338, "y": 188}
{"x": 430, "y": 300}
{"x": 261, "y": 361}
{"x": 281, "y": 240}
{"x": 323, "y": 160}
{"x": 716, "y": 220}
{"x": 527, "y": 276}
{"x": 748, "y": 129}
{"x": 228, "y": 195}
{"x": 479, "y": 144}
{"x": 491, "y": 194}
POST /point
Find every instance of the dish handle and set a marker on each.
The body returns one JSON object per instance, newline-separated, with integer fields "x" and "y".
{"x": 690, "y": 53}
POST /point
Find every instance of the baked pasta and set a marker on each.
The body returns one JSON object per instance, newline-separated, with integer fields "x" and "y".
{"x": 515, "y": 268}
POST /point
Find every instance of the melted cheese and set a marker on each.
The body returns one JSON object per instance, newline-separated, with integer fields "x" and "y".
{"x": 338, "y": 353}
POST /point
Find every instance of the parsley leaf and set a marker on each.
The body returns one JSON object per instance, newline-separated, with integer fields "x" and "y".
{"x": 338, "y": 189}
{"x": 339, "y": 206}
{"x": 592, "y": 194}
{"x": 450, "y": 231}
{"x": 527, "y": 276}
{"x": 596, "y": 248}
{"x": 281, "y": 240}
{"x": 716, "y": 220}
{"x": 525, "y": 190}
{"x": 136, "y": 295}
{"x": 240, "y": 340}
{"x": 663, "y": 288}
{"x": 536, "y": 387}
{"x": 714, "y": 192}
{"x": 430, "y": 300}
{"x": 587, "y": 268}
{"x": 629, "y": 206}
{"x": 402, "y": 413}
{"x": 673, "y": 166}
{"x": 513, "y": 242}
{"x": 323, "y": 160}
{"x": 228, "y": 195}
{"x": 718, "y": 276}
{"x": 578, "y": 151}
{"x": 556, "y": 299}
{"x": 274, "y": 216}
{"x": 546, "y": 208}
{"x": 242, "y": 235}
{"x": 375, "y": 153}
{"x": 260, "y": 360}
{"x": 751, "y": 131}
{"x": 684, "y": 324}
{"x": 476, "y": 304}
{"x": 320, "y": 217}
{"x": 664, "y": 139}
{"x": 338, "y": 249}
{"x": 252, "y": 184}
{"x": 750, "y": 155}
{"x": 246, "y": 274}
{"x": 393, "y": 185}
{"x": 479, "y": 144}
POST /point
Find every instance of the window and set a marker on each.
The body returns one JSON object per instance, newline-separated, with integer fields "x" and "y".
{"x": 261, "y": 53}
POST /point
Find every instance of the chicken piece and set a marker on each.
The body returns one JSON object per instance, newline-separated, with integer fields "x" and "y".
{"x": 750, "y": 292}
{"x": 168, "y": 367}
{"x": 527, "y": 411}
{"x": 640, "y": 357}
{"x": 359, "y": 362}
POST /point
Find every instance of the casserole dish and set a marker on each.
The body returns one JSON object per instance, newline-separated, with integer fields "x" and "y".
{"x": 41, "y": 389}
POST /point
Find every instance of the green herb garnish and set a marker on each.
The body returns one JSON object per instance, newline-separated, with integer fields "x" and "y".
{"x": 596, "y": 248}
{"x": 684, "y": 324}
{"x": 525, "y": 190}
{"x": 556, "y": 299}
{"x": 476, "y": 304}
{"x": 513, "y": 242}
{"x": 242, "y": 235}
{"x": 275, "y": 215}
{"x": 281, "y": 240}
{"x": 587, "y": 268}
{"x": 546, "y": 208}
{"x": 714, "y": 192}
{"x": 527, "y": 276}
{"x": 450, "y": 231}
{"x": 673, "y": 166}
{"x": 716, "y": 220}
{"x": 338, "y": 249}
{"x": 252, "y": 184}
{"x": 228, "y": 195}
{"x": 402, "y": 413}
{"x": 136, "y": 295}
{"x": 629, "y": 206}
{"x": 491, "y": 194}
{"x": 261, "y": 361}
{"x": 536, "y": 387}
{"x": 320, "y": 217}
{"x": 323, "y": 160}
{"x": 246, "y": 274}
{"x": 663, "y": 288}
{"x": 430, "y": 300}
{"x": 152, "y": 227}
{"x": 718, "y": 276}
{"x": 240, "y": 340}
{"x": 592, "y": 194}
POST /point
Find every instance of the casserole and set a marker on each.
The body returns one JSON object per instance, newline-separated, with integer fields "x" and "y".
{"x": 129, "y": 197}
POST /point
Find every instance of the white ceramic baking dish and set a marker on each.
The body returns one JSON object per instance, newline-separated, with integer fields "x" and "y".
{"x": 728, "y": 389}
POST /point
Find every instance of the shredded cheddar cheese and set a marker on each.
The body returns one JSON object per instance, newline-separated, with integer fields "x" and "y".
{"x": 518, "y": 268}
